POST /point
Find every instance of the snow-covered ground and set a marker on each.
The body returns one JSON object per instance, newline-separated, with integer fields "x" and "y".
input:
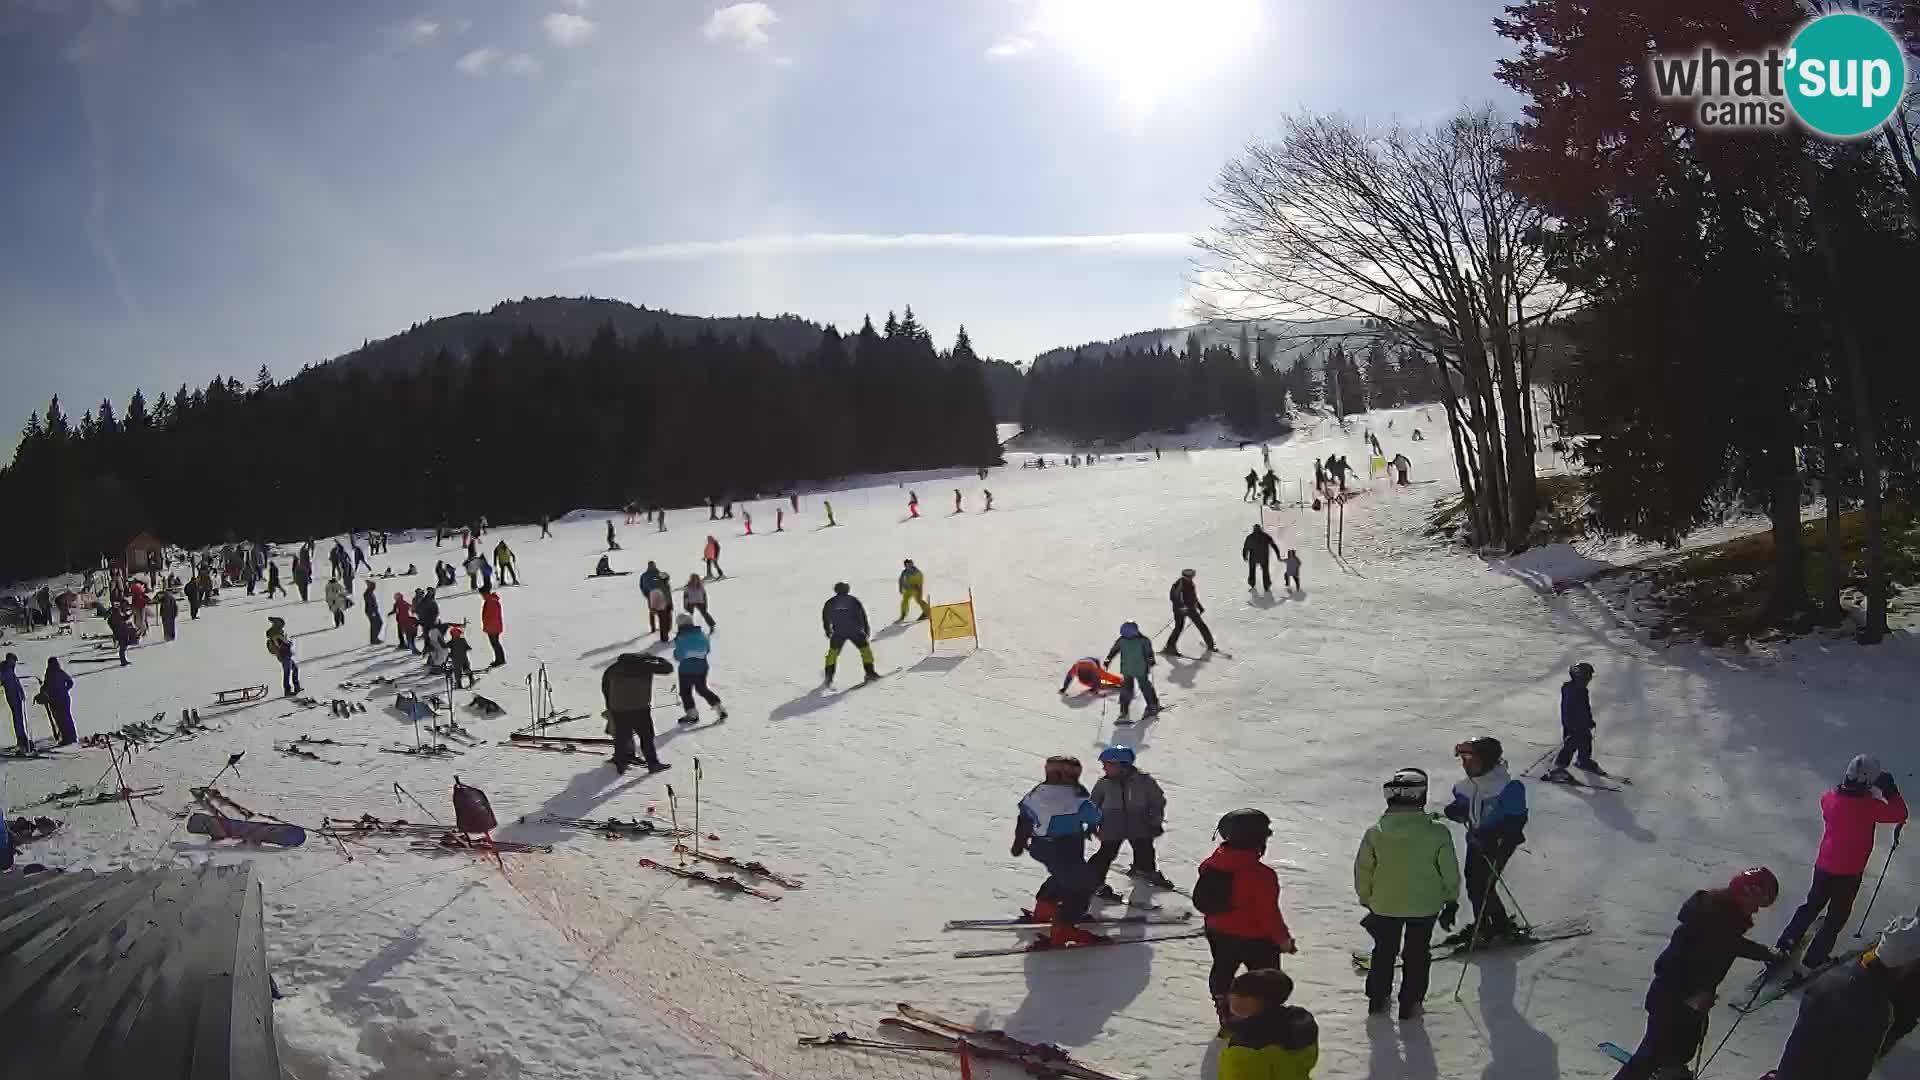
{"x": 895, "y": 802}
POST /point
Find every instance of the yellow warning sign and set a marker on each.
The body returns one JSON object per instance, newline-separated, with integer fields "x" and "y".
{"x": 952, "y": 621}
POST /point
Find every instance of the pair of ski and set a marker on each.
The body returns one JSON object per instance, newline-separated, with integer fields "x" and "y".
{"x": 616, "y": 829}
{"x": 1783, "y": 977}
{"x": 429, "y": 750}
{"x": 451, "y": 730}
{"x": 745, "y": 866}
{"x": 1038, "y": 1059}
{"x": 1539, "y": 934}
{"x": 723, "y": 883}
{"x": 447, "y": 840}
{"x": 295, "y": 750}
{"x": 1027, "y": 921}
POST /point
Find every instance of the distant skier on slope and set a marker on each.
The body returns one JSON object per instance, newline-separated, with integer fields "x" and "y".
{"x": 1135, "y": 651}
{"x": 1055, "y": 819}
{"x": 1291, "y": 579}
{"x": 957, "y": 508}
{"x": 1186, "y": 608}
{"x": 1253, "y": 478}
{"x": 1576, "y": 726}
{"x": 1686, "y": 977}
{"x": 1851, "y": 811}
{"x": 612, "y": 544}
{"x": 1258, "y": 550}
{"x": 711, "y": 556}
{"x": 1133, "y": 811}
{"x": 1850, "y": 1021}
{"x": 1092, "y": 674}
{"x": 913, "y": 504}
{"x": 913, "y": 587}
{"x": 1493, "y": 807}
{"x": 1401, "y": 466}
{"x": 1240, "y": 897}
{"x": 844, "y": 619}
{"x": 989, "y": 497}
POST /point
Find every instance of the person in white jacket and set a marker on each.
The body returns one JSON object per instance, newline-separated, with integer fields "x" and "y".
{"x": 693, "y": 597}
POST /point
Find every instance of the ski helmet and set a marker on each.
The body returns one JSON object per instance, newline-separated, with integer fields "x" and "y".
{"x": 841, "y": 588}
{"x": 1485, "y": 748}
{"x": 1582, "y": 671}
{"x": 1899, "y": 944}
{"x": 1119, "y": 755}
{"x": 1864, "y": 769}
{"x": 1128, "y": 629}
{"x": 1408, "y": 787}
{"x": 683, "y": 620}
{"x": 1756, "y": 887}
{"x": 1062, "y": 769}
{"x": 1245, "y": 828}
{"x": 1187, "y": 573}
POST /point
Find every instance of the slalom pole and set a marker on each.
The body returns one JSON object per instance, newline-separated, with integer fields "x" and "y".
{"x": 1883, "y": 878}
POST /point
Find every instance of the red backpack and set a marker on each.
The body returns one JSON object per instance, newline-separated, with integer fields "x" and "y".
{"x": 472, "y": 813}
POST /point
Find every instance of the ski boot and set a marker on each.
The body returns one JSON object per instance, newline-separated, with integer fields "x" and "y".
{"x": 692, "y": 717}
{"x": 871, "y": 675}
{"x": 1107, "y": 893}
{"x": 1559, "y": 775}
{"x": 1591, "y": 767}
{"x": 1151, "y": 712}
{"x": 826, "y": 681}
{"x": 721, "y": 710}
{"x": 1043, "y": 910}
{"x": 1063, "y": 935}
{"x": 1410, "y": 1010}
{"x": 1123, "y": 718}
{"x": 1156, "y": 879}
{"x": 1379, "y": 1006}
{"x": 1169, "y": 651}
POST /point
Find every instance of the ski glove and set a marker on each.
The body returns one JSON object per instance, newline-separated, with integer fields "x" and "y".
{"x": 1448, "y": 914}
{"x": 1019, "y": 847}
{"x": 1884, "y": 782}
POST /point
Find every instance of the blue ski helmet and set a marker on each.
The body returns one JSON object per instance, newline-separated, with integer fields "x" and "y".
{"x": 1128, "y": 629}
{"x": 1119, "y": 755}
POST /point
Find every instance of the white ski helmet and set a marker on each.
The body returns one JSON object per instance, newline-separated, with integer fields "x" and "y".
{"x": 1408, "y": 787}
{"x": 1864, "y": 769}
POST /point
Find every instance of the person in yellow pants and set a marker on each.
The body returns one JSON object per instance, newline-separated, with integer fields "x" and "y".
{"x": 913, "y": 585}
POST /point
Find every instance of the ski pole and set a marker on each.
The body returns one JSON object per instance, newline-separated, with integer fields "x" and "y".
{"x": 696, "y": 807}
{"x": 1731, "y": 1028}
{"x": 1480, "y": 919}
{"x": 1702, "y": 1048}
{"x": 1543, "y": 758}
{"x": 1883, "y": 879}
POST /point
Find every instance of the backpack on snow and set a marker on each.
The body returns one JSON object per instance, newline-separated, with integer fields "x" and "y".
{"x": 472, "y": 813}
{"x": 1213, "y": 893}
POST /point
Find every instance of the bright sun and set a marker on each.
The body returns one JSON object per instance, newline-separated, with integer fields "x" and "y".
{"x": 1146, "y": 47}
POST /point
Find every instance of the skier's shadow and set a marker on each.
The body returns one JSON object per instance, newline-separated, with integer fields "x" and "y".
{"x": 1400, "y": 1052}
{"x": 1070, "y": 1003}
{"x": 1514, "y": 1046}
{"x": 812, "y": 701}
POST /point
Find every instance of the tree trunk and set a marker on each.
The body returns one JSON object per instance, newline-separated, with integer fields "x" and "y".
{"x": 1522, "y": 492}
{"x": 1789, "y": 557}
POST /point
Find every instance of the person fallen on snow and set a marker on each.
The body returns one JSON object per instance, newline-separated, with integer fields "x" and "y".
{"x": 1091, "y": 674}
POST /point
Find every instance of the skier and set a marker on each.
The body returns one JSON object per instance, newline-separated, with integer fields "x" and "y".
{"x": 1291, "y": 579}
{"x": 794, "y": 501}
{"x": 1401, "y": 465}
{"x": 1406, "y": 876}
{"x": 169, "y": 612}
{"x": 56, "y": 693}
{"x": 195, "y": 597}
{"x": 1258, "y": 549}
{"x": 913, "y": 586}
{"x": 1136, "y": 666}
{"x": 1849, "y": 1022}
{"x": 711, "y": 556}
{"x": 503, "y": 558}
{"x": 1186, "y": 607}
{"x": 1240, "y": 897}
{"x": 426, "y": 610}
{"x": 649, "y": 578}
{"x": 371, "y": 605}
{"x": 748, "y": 515}
{"x": 603, "y": 568}
{"x": 956, "y": 502}
{"x": 779, "y": 519}
{"x": 459, "y": 661}
{"x": 280, "y": 647}
{"x": 273, "y": 580}
{"x": 1576, "y": 726}
{"x": 989, "y": 498}
{"x": 913, "y": 504}
{"x": 434, "y": 648}
{"x": 492, "y": 624}
{"x": 403, "y": 623}
{"x": 1267, "y": 1039}
{"x": 1851, "y": 811}
{"x": 660, "y": 607}
{"x": 1253, "y": 478}
{"x": 360, "y": 558}
{"x": 726, "y": 512}
{"x": 1319, "y": 476}
{"x": 1055, "y": 819}
{"x": 690, "y": 651}
{"x": 844, "y": 619}
{"x": 302, "y": 577}
{"x": 1092, "y": 674}
{"x": 16, "y": 701}
{"x": 546, "y": 533}
{"x": 830, "y": 522}
{"x": 1711, "y": 935}
{"x": 660, "y": 521}
{"x": 137, "y": 595}
{"x": 1133, "y": 811}
{"x": 337, "y": 601}
{"x": 479, "y": 572}
{"x": 693, "y": 597}
{"x": 121, "y": 629}
{"x": 627, "y": 689}
{"x": 612, "y": 544}
{"x": 1270, "y": 490}
{"x": 1493, "y": 807}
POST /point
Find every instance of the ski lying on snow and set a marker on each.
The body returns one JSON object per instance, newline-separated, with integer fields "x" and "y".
{"x": 1027, "y": 921}
{"x": 616, "y": 828}
{"x": 842, "y": 1038}
{"x": 1042, "y": 945}
{"x": 725, "y": 883}
{"x": 756, "y": 869}
{"x": 449, "y": 841}
{"x": 1540, "y": 934}
{"x": 1616, "y": 1052}
{"x": 1036, "y": 1053}
{"x": 954, "y": 1044}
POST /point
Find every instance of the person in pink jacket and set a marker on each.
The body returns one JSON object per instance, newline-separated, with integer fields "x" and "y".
{"x": 1865, "y": 799}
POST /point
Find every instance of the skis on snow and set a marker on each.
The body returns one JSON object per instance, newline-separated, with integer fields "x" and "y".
{"x": 1039, "y": 1057}
{"x": 1540, "y": 934}
{"x": 756, "y": 869}
{"x": 1046, "y": 945}
{"x": 727, "y": 884}
{"x": 1026, "y": 921}
{"x": 614, "y": 828}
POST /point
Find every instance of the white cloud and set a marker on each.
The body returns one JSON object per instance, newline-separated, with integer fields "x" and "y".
{"x": 478, "y": 62}
{"x": 742, "y": 24}
{"x": 1155, "y": 243}
{"x": 419, "y": 31}
{"x": 578, "y": 5}
{"x": 565, "y": 28}
{"x": 522, "y": 64}
{"x": 1012, "y": 46}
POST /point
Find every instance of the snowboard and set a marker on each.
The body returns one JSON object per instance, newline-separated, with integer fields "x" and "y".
{"x": 252, "y": 832}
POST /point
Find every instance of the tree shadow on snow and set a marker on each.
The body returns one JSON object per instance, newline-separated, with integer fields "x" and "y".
{"x": 1400, "y": 1051}
{"x": 1070, "y": 999}
{"x": 1514, "y": 1046}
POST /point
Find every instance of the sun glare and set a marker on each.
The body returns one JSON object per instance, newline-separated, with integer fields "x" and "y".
{"x": 1147, "y": 47}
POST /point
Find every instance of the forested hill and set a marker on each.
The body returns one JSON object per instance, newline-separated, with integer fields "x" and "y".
{"x": 571, "y": 322}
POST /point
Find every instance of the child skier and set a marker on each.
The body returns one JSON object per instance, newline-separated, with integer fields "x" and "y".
{"x": 1092, "y": 674}
{"x": 1240, "y": 897}
{"x": 1055, "y": 818}
{"x": 1133, "y": 811}
{"x": 913, "y": 585}
{"x": 460, "y": 665}
{"x": 1711, "y": 935}
{"x": 711, "y": 556}
{"x": 1406, "y": 876}
{"x": 1267, "y": 1039}
{"x": 913, "y": 504}
{"x": 843, "y": 618}
{"x": 1291, "y": 578}
{"x": 337, "y": 601}
{"x": 1493, "y": 807}
{"x": 1851, "y": 810}
{"x": 280, "y": 647}
{"x": 1576, "y": 726}
{"x": 690, "y": 652}
{"x": 1136, "y": 667}
{"x": 693, "y": 597}
{"x": 503, "y": 559}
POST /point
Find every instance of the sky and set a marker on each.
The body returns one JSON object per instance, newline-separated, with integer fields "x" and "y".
{"x": 200, "y": 187}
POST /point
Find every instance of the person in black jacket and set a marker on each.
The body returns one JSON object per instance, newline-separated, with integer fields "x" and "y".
{"x": 843, "y": 619}
{"x": 627, "y": 688}
{"x": 1253, "y": 479}
{"x": 1847, "y": 1023}
{"x": 1258, "y": 550}
{"x": 1576, "y": 726}
{"x": 1711, "y": 935}
{"x": 1186, "y": 608}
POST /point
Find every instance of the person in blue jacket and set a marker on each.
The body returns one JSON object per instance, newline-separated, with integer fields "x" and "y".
{"x": 1576, "y": 726}
{"x": 16, "y": 702}
{"x": 1056, "y": 817}
{"x": 690, "y": 650}
{"x": 56, "y": 691}
{"x": 1493, "y": 807}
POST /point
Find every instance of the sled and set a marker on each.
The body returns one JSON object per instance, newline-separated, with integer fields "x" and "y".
{"x": 240, "y": 696}
{"x": 252, "y": 832}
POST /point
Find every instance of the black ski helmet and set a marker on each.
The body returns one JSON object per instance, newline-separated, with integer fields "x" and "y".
{"x": 1408, "y": 787}
{"x": 841, "y": 588}
{"x": 1581, "y": 672}
{"x": 1246, "y": 828}
{"x": 1485, "y": 748}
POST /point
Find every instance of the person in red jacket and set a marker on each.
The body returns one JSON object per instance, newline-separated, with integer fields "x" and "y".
{"x": 492, "y": 624}
{"x": 403, "y": 621}
{"x": 1851, "y": 810}
{"x": 1240, "y": 897}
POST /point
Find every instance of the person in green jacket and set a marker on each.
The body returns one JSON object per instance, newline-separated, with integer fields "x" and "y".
{"x": 1267, "y": 1039}
{"x": 1136, "y": 666}
{"x": 1407, "y": 877}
